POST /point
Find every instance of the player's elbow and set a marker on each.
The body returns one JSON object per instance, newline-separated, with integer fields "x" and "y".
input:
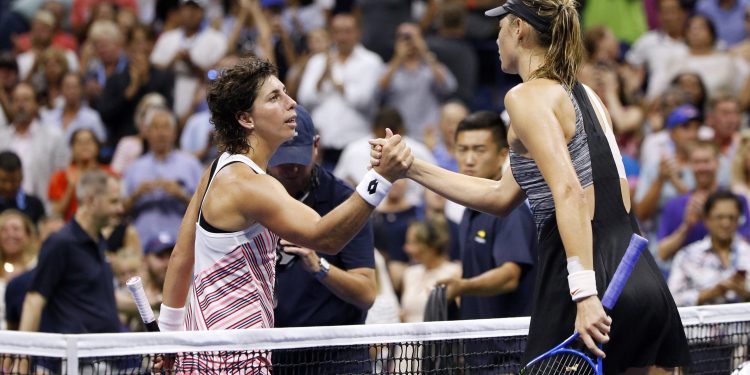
{"x": 570, "y": 194}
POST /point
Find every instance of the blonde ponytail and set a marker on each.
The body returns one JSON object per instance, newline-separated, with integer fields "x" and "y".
{"x": 563, "y": 41}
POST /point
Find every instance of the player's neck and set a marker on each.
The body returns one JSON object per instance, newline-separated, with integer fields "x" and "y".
{"x": 260, "y": 152}
{"x": 528, "y": 62}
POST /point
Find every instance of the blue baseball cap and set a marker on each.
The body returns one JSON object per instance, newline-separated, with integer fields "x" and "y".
{"x": 271, "y": 3}
{"x": 163, "y": 240}
{"x": 299, "y": 149}
{"x": 682, "y": 115}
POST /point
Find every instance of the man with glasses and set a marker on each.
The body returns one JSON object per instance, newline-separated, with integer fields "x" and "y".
{"x": 713, "y": 270}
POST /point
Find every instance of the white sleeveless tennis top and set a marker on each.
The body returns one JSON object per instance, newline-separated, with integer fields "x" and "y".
{"x": 234, "y": 273}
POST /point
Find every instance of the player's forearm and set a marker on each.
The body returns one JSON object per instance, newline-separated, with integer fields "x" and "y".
{"x": 572, "y": 214}
{"x": 334, "y": 230}
{"x": 355, "y": 288}
{"x": 182, "y": 260}
{"x": 179, "y": 273}
{"x": 474, "y": 192}
{"x": 499, "y": 280}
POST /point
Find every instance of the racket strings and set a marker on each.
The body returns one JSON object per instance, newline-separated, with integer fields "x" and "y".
{"x": 562, "y": 364}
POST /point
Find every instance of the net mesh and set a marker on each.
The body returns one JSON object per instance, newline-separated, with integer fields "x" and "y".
{"x": 719, "y": 337}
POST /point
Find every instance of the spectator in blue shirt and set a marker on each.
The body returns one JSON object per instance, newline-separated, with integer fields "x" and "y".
{"x": 728, "y": 16}
{"x": 160, "y": 183}
{"x": 317, "y": 289}
{"x": 497, "y": 255}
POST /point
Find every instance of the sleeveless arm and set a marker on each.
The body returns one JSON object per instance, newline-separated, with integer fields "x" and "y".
{"x": 542, "y": 134}
{"x": 490, "y": 196}
{"x": 266, "y": 201}
{"x": 182, "y": 260}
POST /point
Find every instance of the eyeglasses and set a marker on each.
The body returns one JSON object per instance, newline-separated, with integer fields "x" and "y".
{"x": 720, "y": 217}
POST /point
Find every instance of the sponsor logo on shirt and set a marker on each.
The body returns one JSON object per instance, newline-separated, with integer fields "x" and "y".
{"x": 481, "y": 237}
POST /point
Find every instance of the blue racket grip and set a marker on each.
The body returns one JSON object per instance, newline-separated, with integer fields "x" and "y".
{"x": 636, "y": 246}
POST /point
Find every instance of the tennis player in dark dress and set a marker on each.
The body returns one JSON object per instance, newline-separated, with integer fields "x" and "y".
{"x": 565, "y": 161}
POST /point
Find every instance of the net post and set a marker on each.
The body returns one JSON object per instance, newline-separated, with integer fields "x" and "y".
{"x": 71, "y": 354}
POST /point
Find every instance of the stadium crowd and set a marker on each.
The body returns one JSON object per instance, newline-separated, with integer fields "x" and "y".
{"x": 115, "y": 90}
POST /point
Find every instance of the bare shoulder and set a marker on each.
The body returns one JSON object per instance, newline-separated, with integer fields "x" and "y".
{"x": 537, "y": 108}
{"x": 540, "y": 93}
{"x": 242, "y": 182}
{"x": 239, "y": 197}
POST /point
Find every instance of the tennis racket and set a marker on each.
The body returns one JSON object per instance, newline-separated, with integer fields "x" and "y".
{"x": 135, "y": 286}
{"x": 564, "y": 358}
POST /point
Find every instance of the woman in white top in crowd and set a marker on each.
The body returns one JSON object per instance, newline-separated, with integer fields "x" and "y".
{"x": 427, "y": 245}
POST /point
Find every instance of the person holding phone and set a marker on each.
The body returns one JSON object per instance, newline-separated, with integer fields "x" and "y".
{"x": 415, "y": 82}
{"x": 714, "y": 270}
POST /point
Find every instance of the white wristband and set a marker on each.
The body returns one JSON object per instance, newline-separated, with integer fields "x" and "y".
{"x": 170, "y": 318}
{"x": 582, "y": 284}
{"x": 373, "y": 188}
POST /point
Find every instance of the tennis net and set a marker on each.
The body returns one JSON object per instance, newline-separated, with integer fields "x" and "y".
{"x": 719, "y": 337}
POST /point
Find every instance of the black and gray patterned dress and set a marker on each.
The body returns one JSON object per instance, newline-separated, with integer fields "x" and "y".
{"x": 646, "y": 328}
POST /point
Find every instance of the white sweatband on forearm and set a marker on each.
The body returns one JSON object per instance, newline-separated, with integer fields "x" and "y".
{"x": 373, "y": 188}
{"x": 170, "y": 318}
{"x": 582, "y": 283}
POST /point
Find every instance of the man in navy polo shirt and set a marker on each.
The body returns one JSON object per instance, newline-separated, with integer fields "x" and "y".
{"x": 11, "y": 194}
{"x": 497, "y": 254}
{"x": 72, "y": 287}
{"x": 317, "y": 289}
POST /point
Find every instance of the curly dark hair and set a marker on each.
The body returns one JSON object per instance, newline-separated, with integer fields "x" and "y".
{"x": 231, "y": 93}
